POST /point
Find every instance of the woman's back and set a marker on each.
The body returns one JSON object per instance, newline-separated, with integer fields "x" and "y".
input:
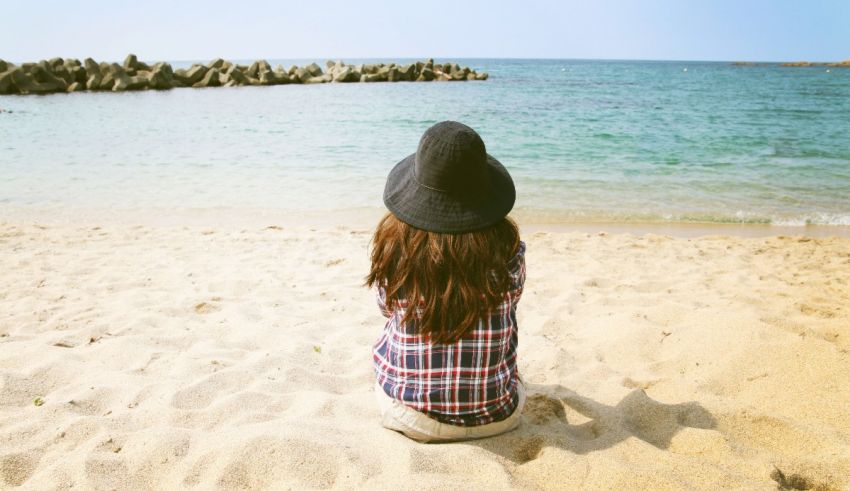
{"x": 469, "y": 382}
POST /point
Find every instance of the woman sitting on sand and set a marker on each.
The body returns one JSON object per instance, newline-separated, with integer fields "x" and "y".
{"x": 446, "y": 370}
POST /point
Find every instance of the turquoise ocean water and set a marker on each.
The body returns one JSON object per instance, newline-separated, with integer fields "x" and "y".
{"x": 621, "y": 141}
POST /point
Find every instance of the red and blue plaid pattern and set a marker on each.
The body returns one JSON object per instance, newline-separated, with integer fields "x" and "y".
{"x": 470, "y": 382}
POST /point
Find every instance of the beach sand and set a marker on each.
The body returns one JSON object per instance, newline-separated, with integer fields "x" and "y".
{"x": 165, "y": 357}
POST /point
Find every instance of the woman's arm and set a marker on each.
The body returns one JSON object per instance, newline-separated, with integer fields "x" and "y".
{"x": 516, "y": 271}
{"x": 382, "y": 302}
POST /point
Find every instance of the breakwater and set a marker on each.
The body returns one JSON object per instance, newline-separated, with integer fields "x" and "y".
{"x": 71, "y": 75}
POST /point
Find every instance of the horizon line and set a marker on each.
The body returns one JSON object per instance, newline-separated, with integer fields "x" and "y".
{"x": 506, "y": 58}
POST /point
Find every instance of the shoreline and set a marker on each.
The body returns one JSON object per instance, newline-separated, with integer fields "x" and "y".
{"x": 687, "y": 229}
{"x": 367, "y": 218}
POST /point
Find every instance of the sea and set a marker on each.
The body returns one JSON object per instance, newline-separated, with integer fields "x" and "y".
{"x": 585, "y": 141}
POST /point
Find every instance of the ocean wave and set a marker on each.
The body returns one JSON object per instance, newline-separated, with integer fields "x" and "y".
{"x": 816, "y": 219}
{"x": 738, "y": 218}
{"x": 746, "y": 218}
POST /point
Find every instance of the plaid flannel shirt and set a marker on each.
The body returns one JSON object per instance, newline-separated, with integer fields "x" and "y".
{"x": 470, "y": 382}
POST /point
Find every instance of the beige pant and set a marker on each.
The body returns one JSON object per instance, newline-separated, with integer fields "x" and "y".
{"x": 417, "y": 426}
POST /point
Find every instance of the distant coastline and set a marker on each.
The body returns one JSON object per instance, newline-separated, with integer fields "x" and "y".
{"x": 836, "y": 64}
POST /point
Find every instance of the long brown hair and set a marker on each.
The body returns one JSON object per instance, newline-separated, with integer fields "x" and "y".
{"x": 449, "y": 281}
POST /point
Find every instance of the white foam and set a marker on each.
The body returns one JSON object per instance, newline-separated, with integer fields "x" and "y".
{"x": 814, "y": 219}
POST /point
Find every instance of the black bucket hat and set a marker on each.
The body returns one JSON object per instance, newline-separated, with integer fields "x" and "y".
{"x": 451, "y": 184}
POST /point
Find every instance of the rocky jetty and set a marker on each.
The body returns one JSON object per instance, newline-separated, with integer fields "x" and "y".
{"x": 70, "y": 75}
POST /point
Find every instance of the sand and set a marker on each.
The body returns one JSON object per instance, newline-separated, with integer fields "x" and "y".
{"x": 166, "y": 357}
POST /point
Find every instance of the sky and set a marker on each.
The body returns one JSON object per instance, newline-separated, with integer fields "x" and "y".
{"x": 722, "y": 30}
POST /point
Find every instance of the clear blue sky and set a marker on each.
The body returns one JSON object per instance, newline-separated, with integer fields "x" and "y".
{"x": 621, "y": 29}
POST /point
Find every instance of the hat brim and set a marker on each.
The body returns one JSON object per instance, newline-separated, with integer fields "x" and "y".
{"x": 443, "y": 212}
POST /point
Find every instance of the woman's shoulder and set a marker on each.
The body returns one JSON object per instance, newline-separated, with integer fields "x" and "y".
{"x": 516, "y": 267}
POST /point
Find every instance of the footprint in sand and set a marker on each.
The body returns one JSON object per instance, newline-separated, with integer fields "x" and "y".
{"x": 543, "y": 410}
{"x": 540, "y": 409}
{"x": 16, "y": 468}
